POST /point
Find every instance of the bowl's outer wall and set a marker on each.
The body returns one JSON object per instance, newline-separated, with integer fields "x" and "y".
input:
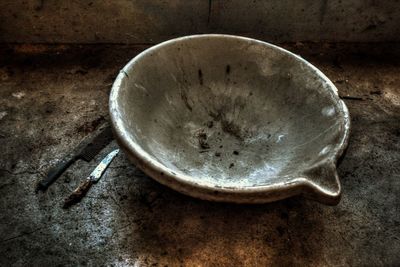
{"x": 274, "y": 124}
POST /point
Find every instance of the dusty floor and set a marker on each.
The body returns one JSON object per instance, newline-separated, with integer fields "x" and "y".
{"x": 51, "y": 97}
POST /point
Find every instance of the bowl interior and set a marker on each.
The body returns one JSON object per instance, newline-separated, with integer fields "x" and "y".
{"x": 229, "y": 111}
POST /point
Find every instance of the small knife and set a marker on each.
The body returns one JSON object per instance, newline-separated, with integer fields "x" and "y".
{"x": 93, "y": 178}
{"x": 87, "y": 151}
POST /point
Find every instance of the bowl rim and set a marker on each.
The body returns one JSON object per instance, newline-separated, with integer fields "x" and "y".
{"x": 185, "y": 184}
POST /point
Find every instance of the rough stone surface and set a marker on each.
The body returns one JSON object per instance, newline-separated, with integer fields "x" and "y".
{"x": 51, "y": 97}
{"x": 143, "y": 21}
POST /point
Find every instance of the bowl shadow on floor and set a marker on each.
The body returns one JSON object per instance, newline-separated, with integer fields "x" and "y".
{"x": 174, "y": 229}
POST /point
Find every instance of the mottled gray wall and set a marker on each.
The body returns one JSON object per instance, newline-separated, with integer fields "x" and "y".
{"x": 150, "y": 21}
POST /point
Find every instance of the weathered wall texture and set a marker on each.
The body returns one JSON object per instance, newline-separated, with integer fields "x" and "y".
{"x": 144, "y": 21}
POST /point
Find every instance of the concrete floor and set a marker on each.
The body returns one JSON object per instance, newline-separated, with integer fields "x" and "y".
{"x": 51, "y": 97}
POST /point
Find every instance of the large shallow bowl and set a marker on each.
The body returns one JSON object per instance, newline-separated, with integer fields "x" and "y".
{"x": 229, "y": 118}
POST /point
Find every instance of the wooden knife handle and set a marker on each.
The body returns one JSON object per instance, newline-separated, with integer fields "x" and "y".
{"x": 78, "y": 194}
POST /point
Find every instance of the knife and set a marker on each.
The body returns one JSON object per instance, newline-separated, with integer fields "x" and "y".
{"x": 86, "y": 151}
{"x": 93, "y": 178}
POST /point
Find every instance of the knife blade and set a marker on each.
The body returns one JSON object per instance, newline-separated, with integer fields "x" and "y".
{"x": 93, "y": 178}
{"x": 86, "y": 151}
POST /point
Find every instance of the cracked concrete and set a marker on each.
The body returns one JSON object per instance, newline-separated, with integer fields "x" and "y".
{"x": 129, "y": 219}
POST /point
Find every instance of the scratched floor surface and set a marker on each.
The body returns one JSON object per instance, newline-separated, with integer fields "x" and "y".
{"x": 51, "y": 97}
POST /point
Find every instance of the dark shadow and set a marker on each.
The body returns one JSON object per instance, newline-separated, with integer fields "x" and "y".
{"x": 170, "y": 228}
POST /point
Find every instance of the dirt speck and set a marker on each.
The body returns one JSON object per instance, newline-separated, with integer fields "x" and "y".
{"x": 228, "y": 126}
{"x": 231, "y": 165}
{"x": 18, "y": 95}
{"x": 280, "y": 230}
{"x": 89, "y": 127}
{"x": 231, "y": 128}
{"x": 218, "y": 154}
{"x": 200, "y": 74}
{"x": 228, "y": 69}
{"x": 376, "y": 92}
{"x": 235, "y": 152}
{"x": 185, "y": 100}
{"x": 202, "y": 137}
